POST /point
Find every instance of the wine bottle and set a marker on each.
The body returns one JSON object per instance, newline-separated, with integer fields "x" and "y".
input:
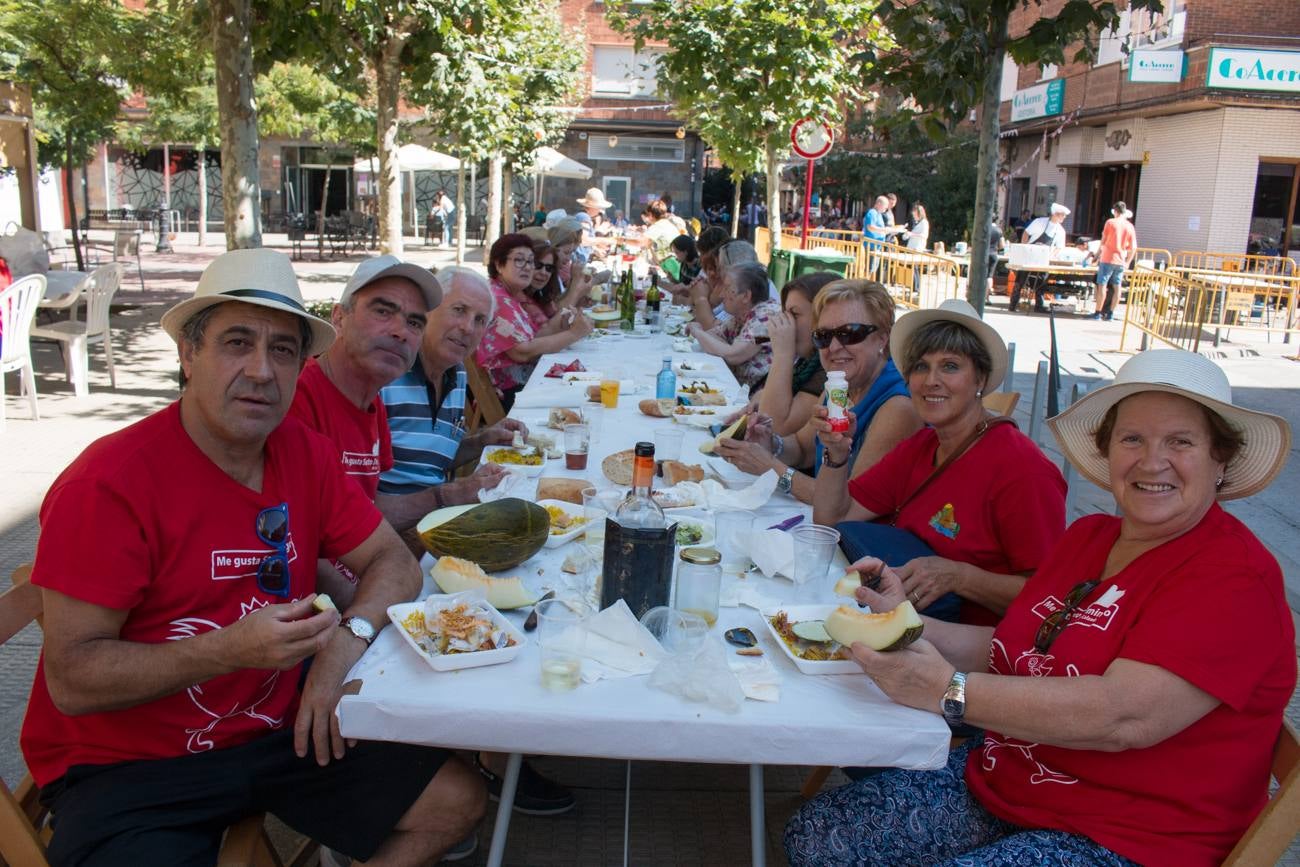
{"x": 639, "y": 510}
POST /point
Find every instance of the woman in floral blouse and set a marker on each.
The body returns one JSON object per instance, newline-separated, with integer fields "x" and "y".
{"x": 741, "y": 340}
{"x": 514, "y": 341}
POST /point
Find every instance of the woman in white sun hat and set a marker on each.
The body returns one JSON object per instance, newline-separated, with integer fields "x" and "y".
{"x": 1132, "y": 695}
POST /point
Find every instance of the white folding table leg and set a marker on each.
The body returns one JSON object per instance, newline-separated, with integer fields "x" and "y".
{"x": 504, "y": 808}
{"x": 757, "y": 821}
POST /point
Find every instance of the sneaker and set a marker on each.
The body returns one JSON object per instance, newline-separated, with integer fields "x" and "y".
{"x": 534, "y": 796}
{"x": 463, "y": 849}
{"x": 1096, "y": 317}
{"x": 1106, "y": 317}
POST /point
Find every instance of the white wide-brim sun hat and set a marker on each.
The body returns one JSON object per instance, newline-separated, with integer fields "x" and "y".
{"x": 961, "y": 312}
{"x": 1197, "y": 378}
{"x": 595, "y": 199}
{"x": 260, "y": 277}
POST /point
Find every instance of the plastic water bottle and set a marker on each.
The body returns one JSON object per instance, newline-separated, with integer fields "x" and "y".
{"x": 666, "y": 384}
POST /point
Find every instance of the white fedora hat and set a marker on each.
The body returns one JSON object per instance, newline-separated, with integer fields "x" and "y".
{"x": 261, "y": 277}
{"x": 378, "y": 267}
{"x": 959, "y": 311}
{"x": 595, "y": 199}
{"x": 1195, "y": 377}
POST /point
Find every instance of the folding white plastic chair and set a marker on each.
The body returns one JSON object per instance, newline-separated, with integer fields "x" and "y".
{"x": 76, "y": 337}
{"x": 17, "y": 311}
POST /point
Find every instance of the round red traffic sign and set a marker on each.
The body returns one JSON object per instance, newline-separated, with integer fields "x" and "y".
{"x": 811, "y": 138}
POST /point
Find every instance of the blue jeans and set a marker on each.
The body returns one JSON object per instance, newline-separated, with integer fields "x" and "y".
{"x": 446, "y": 230}
{"x": 926, "y": 818}
{"x": 1112, "y": 276}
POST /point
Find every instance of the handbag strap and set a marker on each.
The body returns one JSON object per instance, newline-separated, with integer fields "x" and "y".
{"x": 980, "y": 429}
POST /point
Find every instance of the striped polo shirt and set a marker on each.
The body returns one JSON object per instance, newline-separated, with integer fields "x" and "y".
{"x": 425, "y": 436}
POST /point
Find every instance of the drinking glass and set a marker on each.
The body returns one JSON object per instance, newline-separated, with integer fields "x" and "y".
{"x": 734, "y": 530}
{"x": 577, "y": 437}
{"x": 597, "y": 505}
{"x": 561, "y": 637}
{"x": 668, "y": 444}
{"x": 814, "y": 548}
{"x": 609, "y": 393}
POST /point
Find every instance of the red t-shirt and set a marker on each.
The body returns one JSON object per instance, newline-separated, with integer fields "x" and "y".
{"x": 1118, "y": 241}
{"x": 1209, "y": 607}
{"x": 144, "y": 522}
{"x": 1000, "y": 506}
{"x": 361, "y": 436}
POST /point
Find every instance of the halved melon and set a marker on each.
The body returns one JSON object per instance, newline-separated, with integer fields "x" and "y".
{"x": 889, "y": 630}
{"x": 734, "y": 431}
{"x": 496, "y": 535}
{"x": 455, "y": 575}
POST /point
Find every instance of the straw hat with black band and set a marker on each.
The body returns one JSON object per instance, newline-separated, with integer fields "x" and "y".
{"x": 961, "y": 312}
{"x": 260, "y": 277}
{"x": 1175, "y": 371}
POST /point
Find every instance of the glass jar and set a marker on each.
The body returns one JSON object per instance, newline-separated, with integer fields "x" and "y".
{"x": 699, "y": 583}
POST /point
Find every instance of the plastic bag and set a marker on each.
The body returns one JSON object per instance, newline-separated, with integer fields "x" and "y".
{"x": 704, "y": 676}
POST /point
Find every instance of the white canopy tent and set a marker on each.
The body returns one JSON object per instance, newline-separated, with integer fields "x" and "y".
{"x": 411, "y": 158}
{"x": 547, "y": 161}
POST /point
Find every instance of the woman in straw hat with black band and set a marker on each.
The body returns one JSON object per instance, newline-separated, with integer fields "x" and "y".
{"x": 1133, "y": 692}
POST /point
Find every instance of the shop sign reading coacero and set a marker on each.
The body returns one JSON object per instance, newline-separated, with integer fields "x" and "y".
{"x": 1253, "y": 69}
{"x": 1041, "y": 100}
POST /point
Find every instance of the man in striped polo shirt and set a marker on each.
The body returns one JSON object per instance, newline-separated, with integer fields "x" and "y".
{"x": 426, "y": 405}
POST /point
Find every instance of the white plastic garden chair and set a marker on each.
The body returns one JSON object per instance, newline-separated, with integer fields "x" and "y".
{"x": 76, "y": 337}
{"x": 17, "y": 311}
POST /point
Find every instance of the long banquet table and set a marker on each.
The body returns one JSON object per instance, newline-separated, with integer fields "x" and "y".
{"x": 819, "y": 720}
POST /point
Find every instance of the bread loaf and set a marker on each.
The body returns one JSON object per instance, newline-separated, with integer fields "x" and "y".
{"x": 568, "y": 490}
{"x": 676, "y": 471}
{"x": 560, "y": 416}
{"x": 657, "y": 408}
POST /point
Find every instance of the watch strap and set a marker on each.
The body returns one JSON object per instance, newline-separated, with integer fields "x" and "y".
{"x": 786, "y": 481}
{"x": 954, "y": 700}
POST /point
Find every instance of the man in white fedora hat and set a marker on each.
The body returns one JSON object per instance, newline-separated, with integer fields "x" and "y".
{"x": 167, "y": 703}
{"x": 596, "y": 227}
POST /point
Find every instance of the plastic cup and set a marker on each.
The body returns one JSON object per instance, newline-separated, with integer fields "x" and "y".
{"x": 814, "y": 548}
{"x": 594, "y": 418}
{"x": 577, "y": 438}
{"x": 734, "y": 530}
{"x": 609, "y": 393}
{"x": 562, "y": 637}
{"x": 597, "y": 505}
{"x": 668, "y": 444}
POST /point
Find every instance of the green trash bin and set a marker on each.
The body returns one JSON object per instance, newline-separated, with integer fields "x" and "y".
{"x": 780, "y": 268}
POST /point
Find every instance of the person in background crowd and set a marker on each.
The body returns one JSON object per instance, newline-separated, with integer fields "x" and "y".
{"x": 688, "y": 259}
{"x": 708, "y": 297}
{"x": 170, "y": 699}
{"x": 447, "y": 211}
{"x": 853, "y": 320}
{"x": 513, "y": 342}
{"x": 918, "y": 235}
{"x": 595, "y": 241}
{"x": 996, "y": 243}
{"x": 741, "y": 340}
{"x": 539, "y": 215}
{"x": 660, "y": 231}
{"x": 1104, "y": 706}
{"x": 1019, "y": 225}
{"x": 1118, "y": 250}
{"x": 997, "y": 506}
{"x": 707, "y": 246}
{"x": 1048, "y": 231}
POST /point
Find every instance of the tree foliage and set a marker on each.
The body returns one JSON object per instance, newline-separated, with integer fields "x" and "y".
{"x": 947, "y": 56}
{"x": 742, "y": 72}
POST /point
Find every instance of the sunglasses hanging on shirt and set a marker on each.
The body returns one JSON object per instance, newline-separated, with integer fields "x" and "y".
{"x": 854, "y": 332}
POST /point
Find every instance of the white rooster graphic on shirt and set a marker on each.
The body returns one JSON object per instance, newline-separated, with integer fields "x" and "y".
{"x": 215, "y": 706}
{"x": 1028, "y": 664}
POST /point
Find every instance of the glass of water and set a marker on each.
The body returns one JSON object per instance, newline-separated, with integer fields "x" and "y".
{"x": 562, "y": 638}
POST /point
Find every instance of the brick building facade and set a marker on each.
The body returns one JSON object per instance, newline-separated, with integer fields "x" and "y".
{"x": 1197, "y": 130}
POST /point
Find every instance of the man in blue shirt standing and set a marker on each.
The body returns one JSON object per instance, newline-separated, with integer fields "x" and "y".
{"x": 874, "y": 231}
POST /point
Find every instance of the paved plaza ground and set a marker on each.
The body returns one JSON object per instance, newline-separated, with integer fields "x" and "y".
{"x": 680, "y": 814}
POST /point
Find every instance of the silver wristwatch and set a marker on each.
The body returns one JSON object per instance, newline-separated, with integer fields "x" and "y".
{"x": 360, "y": 627}
{"x": 954, "y": 700}
{"x": 787, "y": 479}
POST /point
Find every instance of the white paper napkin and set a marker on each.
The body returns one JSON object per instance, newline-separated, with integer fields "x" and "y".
{"x": 758, "y": 677}
{"x": 617, "y": 645}
{"x": 748, "y": 498}
{"x": 515, "y": 483}
{"x": 743, "y": 592}
{"x": 772, "y": 552}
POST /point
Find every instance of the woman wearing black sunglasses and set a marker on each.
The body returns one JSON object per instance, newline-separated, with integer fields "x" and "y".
{"x": 980, "y": 504}
{"x": 1134, "y": 691}
{"x": 849, "y": 333}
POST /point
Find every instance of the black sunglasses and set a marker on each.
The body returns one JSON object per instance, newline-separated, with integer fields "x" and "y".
{"x": 273, "y": 528}
{"x": 550, "y": 267}
{"x": 1054, "y": 624}
{"x": 854, "y": 332}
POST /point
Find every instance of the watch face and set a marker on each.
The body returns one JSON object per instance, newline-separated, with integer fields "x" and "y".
{"x": 361, "y": 628}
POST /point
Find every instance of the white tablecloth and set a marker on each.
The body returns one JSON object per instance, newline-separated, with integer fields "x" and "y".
{"x": 819, "y": 720}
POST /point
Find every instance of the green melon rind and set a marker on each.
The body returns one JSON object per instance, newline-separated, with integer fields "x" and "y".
{"x": 496, "y": 535}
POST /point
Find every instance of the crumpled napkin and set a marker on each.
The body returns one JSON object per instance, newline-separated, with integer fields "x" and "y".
{"x": 514, "y": 483}
{"x": 743, "y": 592}
{"x": 757, "y": 676}
{"x": 772, "y": 552}
{"x": 749, "y": 498}
{"x": 616, "y": 645}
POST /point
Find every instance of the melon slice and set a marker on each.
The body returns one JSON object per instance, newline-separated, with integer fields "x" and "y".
{"x": 455, "y": 575}
{"x": 848, "y": 585}
{"x": 889, "y": 630}
{"x": 734, "y": 431}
